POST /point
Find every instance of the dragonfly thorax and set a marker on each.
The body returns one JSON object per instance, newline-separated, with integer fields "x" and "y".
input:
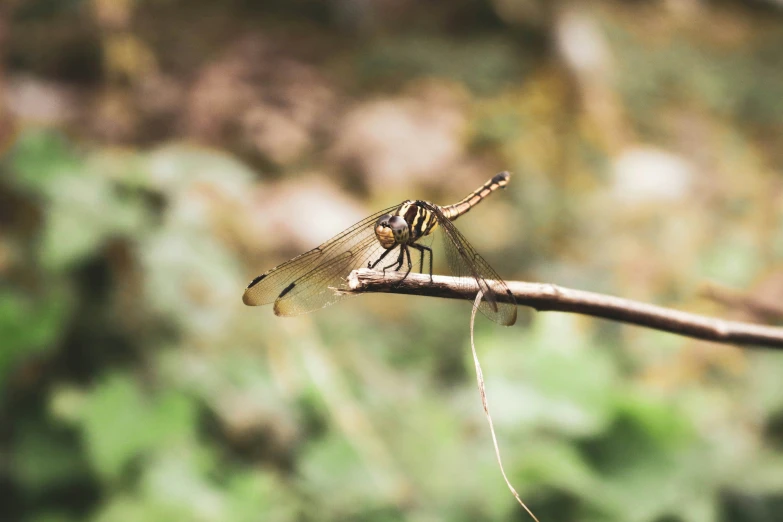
{"x": 407, "y": 224}
{"x": 392, "y": 230}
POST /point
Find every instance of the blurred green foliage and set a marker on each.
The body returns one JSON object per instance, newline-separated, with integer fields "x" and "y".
{"x": 158, "y": 155}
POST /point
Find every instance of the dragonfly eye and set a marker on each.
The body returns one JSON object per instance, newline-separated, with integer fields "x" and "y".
{"x": 383, "y": 221}
{"x": 398, "y": 224}
{"x": 399, "y": 228}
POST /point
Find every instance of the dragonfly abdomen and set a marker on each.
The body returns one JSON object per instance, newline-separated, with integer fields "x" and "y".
{"x": 422, "y": 221}
{"x": 474, "y": 198}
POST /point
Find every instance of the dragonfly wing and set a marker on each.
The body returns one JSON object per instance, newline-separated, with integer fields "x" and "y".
{"x": 466, "y": 264}
{"x": 265, "y": 288}
{"x": 318, "y": 288}
{"x": 300, "y": 276}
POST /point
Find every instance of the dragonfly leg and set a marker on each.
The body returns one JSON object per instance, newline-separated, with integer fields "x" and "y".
{"x": 410, "y": 263}
{"x": 422, "y": 249}
{"x": 400, "y": 259}
{"x": 373, "y": 265}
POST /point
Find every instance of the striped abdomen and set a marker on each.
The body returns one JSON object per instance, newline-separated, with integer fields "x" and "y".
{"x": 457, "y": 209}
{"x": 422, "y": 221}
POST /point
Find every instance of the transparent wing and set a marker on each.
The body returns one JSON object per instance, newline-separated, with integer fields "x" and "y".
{"x": 467, "y": 265}
{"x": 307, "y": 282}
{"x": 317, "y": 288}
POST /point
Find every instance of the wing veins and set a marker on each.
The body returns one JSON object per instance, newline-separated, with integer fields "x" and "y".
{"x": 479, "y": 269}
{"x": 266, "y": 288}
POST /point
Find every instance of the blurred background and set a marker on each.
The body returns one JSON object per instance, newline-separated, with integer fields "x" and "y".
{"x": 159, "y": 154}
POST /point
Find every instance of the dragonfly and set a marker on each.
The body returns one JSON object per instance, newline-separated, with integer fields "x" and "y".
{"x": 312, "y": 280}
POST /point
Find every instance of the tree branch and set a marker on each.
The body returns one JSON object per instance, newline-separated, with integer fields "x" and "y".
{"x": 548, "y": 297}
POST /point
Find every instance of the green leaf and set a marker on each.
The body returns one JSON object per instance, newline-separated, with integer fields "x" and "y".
{"x": 38, "y": 158}
{"x": 115, "y": 425}
{"x": 28, "y": 327}
{"x": 178, "y": 480}
{"x": 83, "y": 213}
{"x": 260, "y": 495}
{"x": 561, "y": 381}
{"x": 120, "y": 423}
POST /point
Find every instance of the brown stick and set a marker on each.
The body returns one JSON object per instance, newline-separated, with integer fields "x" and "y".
{"x": 549, "y": 297}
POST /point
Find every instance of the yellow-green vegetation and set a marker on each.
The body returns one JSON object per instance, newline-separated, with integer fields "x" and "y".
{"x": 158, "y": 155}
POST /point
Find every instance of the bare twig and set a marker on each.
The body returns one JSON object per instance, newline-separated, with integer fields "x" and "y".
{"x": 549, "y": 297}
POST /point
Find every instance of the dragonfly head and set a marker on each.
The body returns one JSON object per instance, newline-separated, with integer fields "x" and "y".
{"x": 391, "y": 230}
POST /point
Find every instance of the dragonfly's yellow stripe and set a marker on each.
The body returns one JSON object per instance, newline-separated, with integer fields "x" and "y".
{"x": 422, "y": 221}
